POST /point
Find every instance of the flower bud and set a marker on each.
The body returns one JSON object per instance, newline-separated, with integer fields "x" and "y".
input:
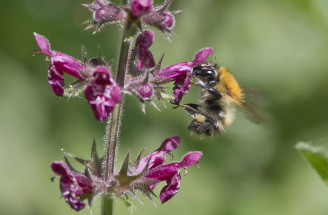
{"x": 141, "y": 7}
{"x": 146, "y": 91}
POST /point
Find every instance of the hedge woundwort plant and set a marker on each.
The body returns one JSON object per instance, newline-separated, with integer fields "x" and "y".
{"x": 138, "y": 75}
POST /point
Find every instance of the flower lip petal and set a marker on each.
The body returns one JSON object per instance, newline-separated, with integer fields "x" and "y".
{"x": 171, "y": 189}
{"x": 43, "y": 43}
{"x": 72, "y": 184}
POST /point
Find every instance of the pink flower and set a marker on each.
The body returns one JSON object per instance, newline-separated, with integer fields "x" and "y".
{"x": 145, "y": 57}
{"x": 160, "y": 171}
{"x": 59, "y": 64}
{"x": 102, "y": 93}
{"x": 72, "y": 184}
{"x": 180, "y": 73}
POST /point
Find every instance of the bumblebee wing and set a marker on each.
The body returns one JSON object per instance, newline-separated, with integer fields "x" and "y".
{"x": 253, "y": 105}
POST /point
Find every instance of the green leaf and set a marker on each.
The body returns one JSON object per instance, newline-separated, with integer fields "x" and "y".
{"x": 317, "y": 156}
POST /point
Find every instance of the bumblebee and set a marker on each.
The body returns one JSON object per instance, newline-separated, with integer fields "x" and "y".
{"x": 221, "y": 93}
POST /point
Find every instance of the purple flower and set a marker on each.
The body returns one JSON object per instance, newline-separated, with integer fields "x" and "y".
{"x": 102, "y": 93}
{"x": 59, "y": 63}
{"x": 145, "y": 57}
{"x": 158, "y": 170}
{"x": 72, "y": 184}
{"x": 140, "y": 7}
{"x": 180, "y": 73}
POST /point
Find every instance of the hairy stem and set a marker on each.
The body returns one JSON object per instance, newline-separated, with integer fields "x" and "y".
{"x": 114, "y": 121}
{"x": 124, "y": 54}
{"x": 107, "y": 205}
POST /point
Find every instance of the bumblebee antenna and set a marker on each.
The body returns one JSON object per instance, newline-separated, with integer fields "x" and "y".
{"x": 214, "y": 59}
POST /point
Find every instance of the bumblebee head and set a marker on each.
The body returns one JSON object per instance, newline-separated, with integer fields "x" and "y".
{"x": 206, "y": 72}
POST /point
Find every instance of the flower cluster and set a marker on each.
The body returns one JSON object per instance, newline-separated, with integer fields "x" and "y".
{"x": 101, "y": 91}
{"x": 142, "y": 12}
{"x": 143, "y": 175}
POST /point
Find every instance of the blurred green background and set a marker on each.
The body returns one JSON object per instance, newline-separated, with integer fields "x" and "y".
{"x": 279, "y": 47}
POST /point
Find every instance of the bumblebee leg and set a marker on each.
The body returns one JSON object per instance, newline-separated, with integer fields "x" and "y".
{"x": 211, "y": 90}
{"x": 215, "y": 93}
{"x": 201, "y": 83}
{"x": 208, "y": 127}
{"x": 191, "y": 109}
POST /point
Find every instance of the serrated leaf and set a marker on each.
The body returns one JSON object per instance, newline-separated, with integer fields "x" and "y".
{"x": 317, "y": 156}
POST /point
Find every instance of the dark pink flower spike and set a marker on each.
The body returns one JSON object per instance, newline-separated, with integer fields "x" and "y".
{"x": 72, "y": 184}
{"x": 145, "y": 57}
{"x": 141, "y": 7}
{"x": 180, "y": 73}
{"x": 102, "y": 93}
{"x": 59, "y": 64}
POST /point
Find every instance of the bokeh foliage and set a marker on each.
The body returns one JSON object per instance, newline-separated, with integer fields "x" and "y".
{"x": 279, "y": 47}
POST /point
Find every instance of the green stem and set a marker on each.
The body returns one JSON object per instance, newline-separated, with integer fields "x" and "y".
{"x": 124, "y": 54}
{"x": 107, "y": 206}
{"x": 114, "y": 121}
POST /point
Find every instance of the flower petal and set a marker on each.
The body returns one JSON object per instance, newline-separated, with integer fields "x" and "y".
{"x": 102, "y": 93}
{"x": 190, "y": 159}
{"x": 201, "y": 56}
{"x": 56, "y": 81}
{"x": 72, "y": 184}
{"x": 170, "y": 189}
{"x": 145, "y": 39}
{"x": 60, "y": 168}
{"x": 141, "y": 7}
{"x": 70, "y": 193}
{"x": 44, "y": 44}
{"x": 170, "y": 144}
{"x": 67, "y": 64}
{"x": 164, "y": 172}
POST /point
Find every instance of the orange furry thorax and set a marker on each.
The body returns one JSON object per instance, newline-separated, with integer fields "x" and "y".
{"x": 228, "y": 85}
